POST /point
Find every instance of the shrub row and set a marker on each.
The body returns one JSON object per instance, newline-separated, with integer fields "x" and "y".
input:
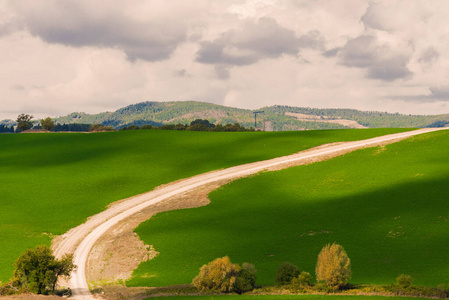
{"x": 333, "y": 272}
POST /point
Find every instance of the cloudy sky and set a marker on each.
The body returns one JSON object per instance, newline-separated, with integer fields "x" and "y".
{"x": 59, "y": 57}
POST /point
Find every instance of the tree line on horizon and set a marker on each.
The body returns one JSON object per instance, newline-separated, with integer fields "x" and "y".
{"x": 160, "y": 114}
{"x": 25, "y": 122}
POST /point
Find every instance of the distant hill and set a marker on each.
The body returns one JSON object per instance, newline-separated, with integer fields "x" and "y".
{"x": 283, "y": 117}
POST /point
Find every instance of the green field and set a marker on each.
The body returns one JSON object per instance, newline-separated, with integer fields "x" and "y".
{"x": 286, "y": 297}
{"x": 388, "y": 206}
{"x": 53, "y": 182}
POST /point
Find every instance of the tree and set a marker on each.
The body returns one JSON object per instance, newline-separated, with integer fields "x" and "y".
{"x": 48, "y": 124}
{"x": 38, "y": 270}
{"x": 404, "y": 281}
{"x": 285, "y": 273}
{"x": 24, "y": 122}
{"x": 246, "y": 280}
{"x": 333, "y": 266}
{"x": 218, "y": 275}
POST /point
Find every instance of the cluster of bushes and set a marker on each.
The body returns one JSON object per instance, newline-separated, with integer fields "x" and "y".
{"x": 223, "y": 276}
{"x": 196, "y": 125}
{"x": 333, "y": 272}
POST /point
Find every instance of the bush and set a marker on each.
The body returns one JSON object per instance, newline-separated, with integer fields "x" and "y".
{"x": 304, "y": 279}
{"x": 301, "y": 284}
{"x": 333, "y": 266}
{"x": 246, "y": 280}
{"x": 404, "y": 281}
{"x": 218, "y": 275}
{"x": 285, "y": 273}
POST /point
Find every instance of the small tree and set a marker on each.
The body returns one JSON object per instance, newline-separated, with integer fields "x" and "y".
{"x": 218, "y": 275}
{"x": 38, "y": 270}
{"x": 24, "y": 122}
{"x": 333, "y": 266}
{"x": 246, "y": 280}
{"x": 285, "y": 273}
{"x": 404, "y": 281}
{"x": 48, "y": 124}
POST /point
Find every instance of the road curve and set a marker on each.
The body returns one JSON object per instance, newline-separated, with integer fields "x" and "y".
{"x": 81, "y": 239}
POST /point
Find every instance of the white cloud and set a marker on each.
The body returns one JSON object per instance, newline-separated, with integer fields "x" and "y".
{"x": 93, "y": 56}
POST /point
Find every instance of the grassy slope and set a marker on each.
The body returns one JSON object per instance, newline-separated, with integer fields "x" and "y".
{"x": 52, "y": 182}
{"x": 286, "y": 297}
{"x": 387, "y": 206}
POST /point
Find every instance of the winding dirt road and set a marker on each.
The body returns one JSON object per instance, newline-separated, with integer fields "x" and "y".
{"x": 81, "y": 239}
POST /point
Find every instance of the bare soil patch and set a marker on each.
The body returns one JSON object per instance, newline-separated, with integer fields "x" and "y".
{"x": 324, "y": 119}
{"x": 120, "y": 251}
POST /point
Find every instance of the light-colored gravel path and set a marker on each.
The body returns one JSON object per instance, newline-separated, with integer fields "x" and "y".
{"x": 81, "y": 239}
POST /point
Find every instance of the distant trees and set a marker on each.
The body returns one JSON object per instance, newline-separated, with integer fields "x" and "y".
{"x": 72, "y": 127}
{"x": 48, "y": 124}
{"x": 37, "y": 270}
{"x": 6, "y": 129}
{"x": 333, "y": 266}
{"x": 24, "y": 122}
{"x": 285, "y": 273}
{"x": 196, "y": 125}
{"x": 100, "y": 128}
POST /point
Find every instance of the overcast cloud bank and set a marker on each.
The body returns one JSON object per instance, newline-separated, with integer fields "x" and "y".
{"x": 77, "y": 55}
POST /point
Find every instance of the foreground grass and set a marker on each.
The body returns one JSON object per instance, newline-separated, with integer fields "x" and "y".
{"x": 53, "y": 182}
{"x": 286, "y": 297}
{"x": 387, "y": 206}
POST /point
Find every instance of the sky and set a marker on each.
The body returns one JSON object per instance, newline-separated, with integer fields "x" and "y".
{"x": 59, "y": 57}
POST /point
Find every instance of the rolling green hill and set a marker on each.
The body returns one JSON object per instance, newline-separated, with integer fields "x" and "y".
{"x": 284, "y": 118}
{"x": 52, "y": 182}
{"x": 388, "y": 206}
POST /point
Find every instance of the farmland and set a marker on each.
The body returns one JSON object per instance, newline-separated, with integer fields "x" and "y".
{"x": 387, "y": 206}
{"x": 53, "y": 182}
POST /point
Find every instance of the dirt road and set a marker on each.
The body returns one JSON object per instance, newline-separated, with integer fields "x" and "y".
{"x": 81, "y": 239}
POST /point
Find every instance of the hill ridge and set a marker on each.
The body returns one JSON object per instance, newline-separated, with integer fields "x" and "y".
{"x": 283, "y": 117}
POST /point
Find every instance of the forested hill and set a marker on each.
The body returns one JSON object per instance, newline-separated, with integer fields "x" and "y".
{"x": 283, "y": 117}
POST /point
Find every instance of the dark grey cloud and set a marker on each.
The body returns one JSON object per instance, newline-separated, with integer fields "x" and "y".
{"x": 428, "y": 56}
{"x": 255, "y": 41}
{"x": 390, "y": 69}
{"x": 359, "y": 52}
{"x": 222, "y": 72}
{"x": 440, "y": 93}
{"x": 436, "y": 94}
{"x": 77, "y": 24}
{"x": 380, "y": 63}
{"x": 331, "y": 52}
{"x": 372, "y": 18}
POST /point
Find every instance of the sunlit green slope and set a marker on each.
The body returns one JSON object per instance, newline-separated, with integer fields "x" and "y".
{"x": 388, "y": 206}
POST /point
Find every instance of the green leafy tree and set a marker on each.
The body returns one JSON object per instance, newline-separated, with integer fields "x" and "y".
{"x": 48, "y": 124}
{"x": 246, "y": 280}
{"x": 38, "y": 270}
{"x": 285, "y": 273}
{"x": 24, "y": 122}
{"x": 333, "y": 266}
